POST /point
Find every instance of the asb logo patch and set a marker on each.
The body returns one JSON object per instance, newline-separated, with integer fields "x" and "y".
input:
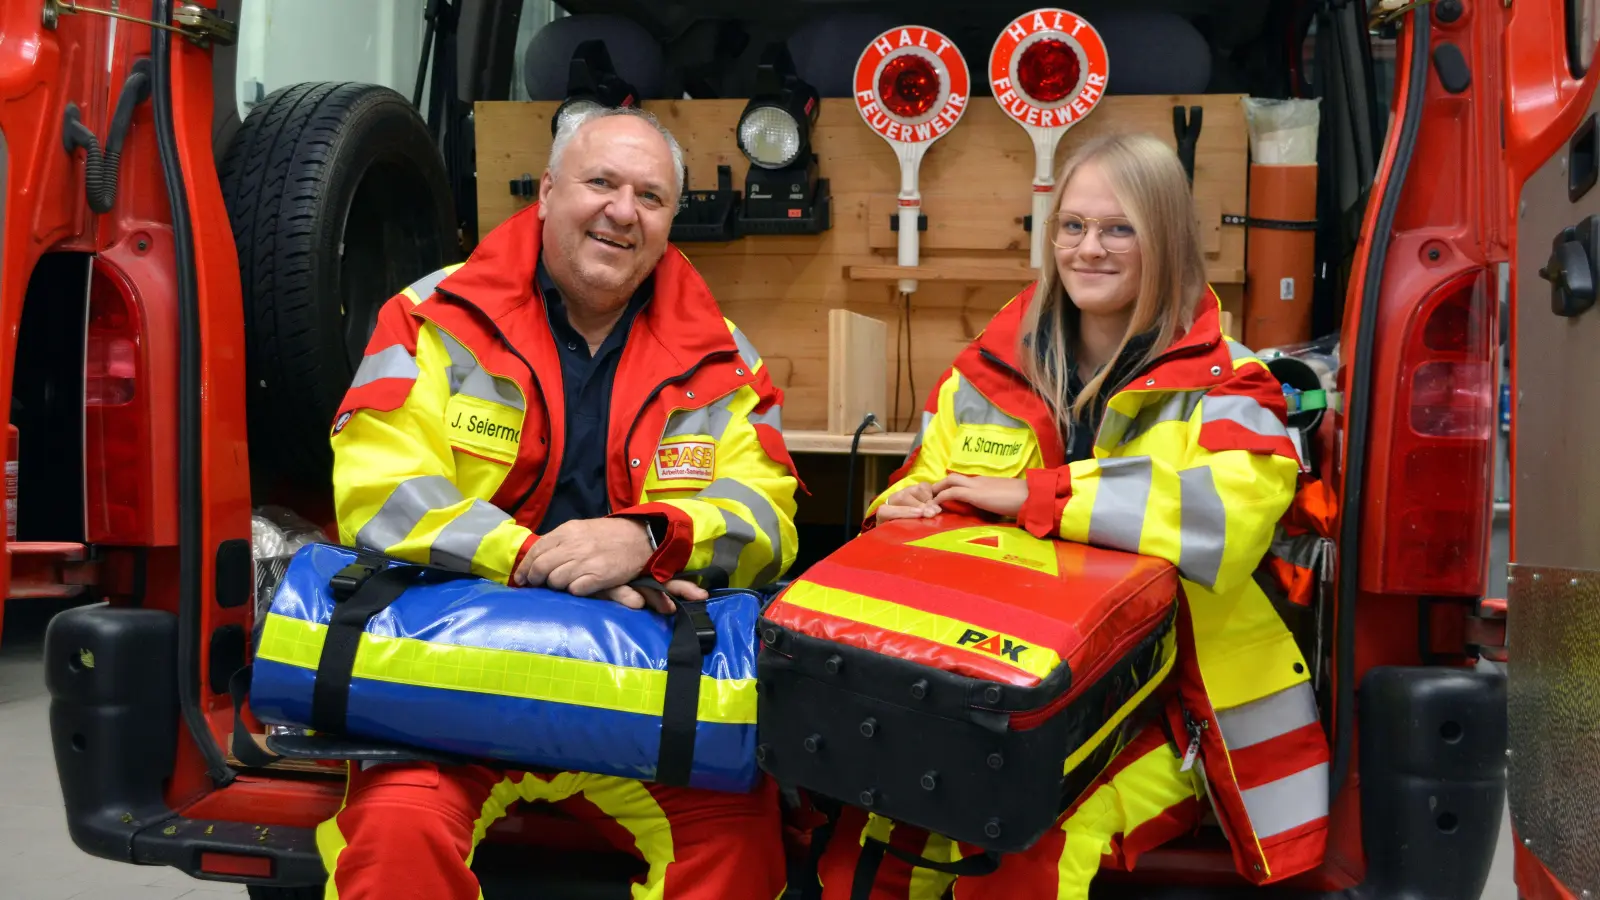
{"x": 992, "y": 644}
{"x": 686, "y": 461}
{"x": 1001, "y": 543}
{"x": 344, "y": 419}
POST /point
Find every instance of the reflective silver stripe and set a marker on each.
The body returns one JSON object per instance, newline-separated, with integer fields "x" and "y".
{"x": 1302, "y": 550}
{"x": 973, "y": 408}
{"x": 425, "y": 286}
{"x": 711, "y": 420}
{"x": 407, "y": 504}
{"x": 1204, "y": 526}
{"x": 916, "y": 442}
{"x": 460, "y": 356}
{"x": 1243, "y": 411}
{"x": 772, "y": 417}
{"x": 1238, "y": 351}
{"x": 1113, "y": 428}
{"x": 458, "y": 541}
{"x": 393, "y": 361}
{"x": 1274, "y": 715}
{"x": 1288, "y": 803}
{"x": 1176, "y": 408}
{"x": 726, "y": 550}
{"x": 747, "y": 350}
{"x": 467, "y": 377}
{"x": 1117, "y": 519}
{"x": 765, "y": 515}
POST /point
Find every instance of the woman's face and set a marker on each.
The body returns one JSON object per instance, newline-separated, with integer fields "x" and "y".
{"x": 1097, "y": 253}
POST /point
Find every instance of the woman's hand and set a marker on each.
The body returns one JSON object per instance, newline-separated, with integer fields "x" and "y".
{"x": 915, "y": 502}
{"x": 1001, "y": 496}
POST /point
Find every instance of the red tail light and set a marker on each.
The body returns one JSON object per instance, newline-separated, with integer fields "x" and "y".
{"x": 1437, "y": 496}
{"x": 118, "y": 485}
{"x": 1048, "y": 70}
{"x": 909, "y": 85}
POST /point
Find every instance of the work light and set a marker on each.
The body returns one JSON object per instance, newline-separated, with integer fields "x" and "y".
{"x": 592, "y": 83}
{"x": 782, "y": 191}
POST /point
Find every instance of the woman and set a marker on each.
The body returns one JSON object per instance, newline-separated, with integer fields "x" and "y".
{"x": 1140, "y": 428}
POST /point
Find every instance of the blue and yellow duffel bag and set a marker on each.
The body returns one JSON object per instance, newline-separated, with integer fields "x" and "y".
{"x": 366, "y": 646}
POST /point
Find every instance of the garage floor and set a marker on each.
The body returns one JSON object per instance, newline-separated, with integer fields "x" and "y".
{"x": 38, "y": 860}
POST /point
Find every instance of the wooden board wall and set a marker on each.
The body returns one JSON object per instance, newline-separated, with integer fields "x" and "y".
{"x": 975, "y": 184}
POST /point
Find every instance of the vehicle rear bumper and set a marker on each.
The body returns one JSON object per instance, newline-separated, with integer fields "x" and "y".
{"x": 112, "y": 677}
{"x": 1433, "y": 787}
{"x": 232, "y": 851}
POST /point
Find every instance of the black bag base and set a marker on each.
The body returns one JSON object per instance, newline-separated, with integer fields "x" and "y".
{"x": 905, "y": 740}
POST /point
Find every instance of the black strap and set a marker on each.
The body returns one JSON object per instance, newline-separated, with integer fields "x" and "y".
{"x": 871, "y": 859}
{"x": 693, "y": 637}
{"x": 360, "y": 591}
{"x": 1282, "y": 224}
{"x": 245, "y": 749}
{"x": 1187, "y": 132}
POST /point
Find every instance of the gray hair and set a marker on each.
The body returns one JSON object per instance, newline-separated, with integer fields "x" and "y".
{"x": 576, "y": 120}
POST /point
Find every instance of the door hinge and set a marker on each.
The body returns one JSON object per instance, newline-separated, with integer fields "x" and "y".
{"x": 194, "y": 22}
{"x": 1383, "y": 12}
{"x": 1486, "y": 630}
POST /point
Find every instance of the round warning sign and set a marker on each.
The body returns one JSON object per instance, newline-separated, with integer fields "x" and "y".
{"x": 912, "y": 84}
{"x": 1048, "y": 68}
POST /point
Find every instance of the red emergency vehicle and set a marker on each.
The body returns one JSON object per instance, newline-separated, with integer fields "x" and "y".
{"x": 183, "y": 296}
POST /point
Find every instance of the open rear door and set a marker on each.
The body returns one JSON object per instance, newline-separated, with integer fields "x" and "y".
{"x": 1553, "y": 598}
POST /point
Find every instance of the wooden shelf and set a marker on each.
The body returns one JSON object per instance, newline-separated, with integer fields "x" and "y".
{"x": 998, "y": 273}
{"x": 893, "y": 443}
{"x": 971, "y": 273}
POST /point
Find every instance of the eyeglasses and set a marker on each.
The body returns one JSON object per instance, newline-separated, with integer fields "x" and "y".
{"x": 1115, "y": 233}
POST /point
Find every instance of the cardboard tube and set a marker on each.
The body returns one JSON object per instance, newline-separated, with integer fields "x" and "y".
{"x": 1279, "y": 261}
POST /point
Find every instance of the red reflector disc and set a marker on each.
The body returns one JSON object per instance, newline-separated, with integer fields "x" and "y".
{"x": 1048, "y": 70}
{"x": 909, "y": 85}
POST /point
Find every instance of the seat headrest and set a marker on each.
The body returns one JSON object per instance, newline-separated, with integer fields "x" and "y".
{"x": 634, "y": 52}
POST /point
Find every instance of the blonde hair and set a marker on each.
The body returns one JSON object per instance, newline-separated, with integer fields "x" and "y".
{"x": 1149, "y": 181}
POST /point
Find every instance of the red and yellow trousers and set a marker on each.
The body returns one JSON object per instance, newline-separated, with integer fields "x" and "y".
{"x": 408, "y": 830}
{"x": 1141, "y": 801}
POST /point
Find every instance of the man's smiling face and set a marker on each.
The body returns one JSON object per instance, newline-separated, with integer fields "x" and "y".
{"x": 609, "y": 209}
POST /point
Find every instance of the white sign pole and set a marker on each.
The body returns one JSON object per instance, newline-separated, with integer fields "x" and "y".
{"x": 912, "y": 86}
{"x": 1049, "y": 70}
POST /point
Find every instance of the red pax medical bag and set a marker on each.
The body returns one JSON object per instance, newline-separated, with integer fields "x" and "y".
{"x": 967, "y": 678}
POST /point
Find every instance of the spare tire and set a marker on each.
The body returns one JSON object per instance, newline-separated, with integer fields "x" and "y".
{"x": 339, "y": 198}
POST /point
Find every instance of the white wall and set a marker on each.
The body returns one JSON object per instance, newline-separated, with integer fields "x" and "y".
{"x": 287, "y": 41}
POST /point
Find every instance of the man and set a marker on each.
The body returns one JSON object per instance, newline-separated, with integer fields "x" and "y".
{"x": 570, "y": 409}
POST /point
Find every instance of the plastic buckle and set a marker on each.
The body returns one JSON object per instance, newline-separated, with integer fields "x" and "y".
{"x": 704, "y": 629}
{"x": 349, "y": 579}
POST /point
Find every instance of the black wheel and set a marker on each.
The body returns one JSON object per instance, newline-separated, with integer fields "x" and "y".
{"x": 272, "y": 893}
{"x": 338, "y": 198}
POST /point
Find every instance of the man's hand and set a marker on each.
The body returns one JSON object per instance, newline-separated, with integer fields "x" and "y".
{"x": 677, "y": 588}
{"x": 586, "y": 557}
{"x": 914, "y": 502}
{"x": 1002, "y": 496}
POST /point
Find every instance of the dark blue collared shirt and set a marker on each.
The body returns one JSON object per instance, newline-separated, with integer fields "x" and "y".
{"x": 587, "y": 381}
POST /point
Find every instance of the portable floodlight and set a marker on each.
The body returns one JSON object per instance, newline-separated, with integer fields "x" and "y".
{"x": 782, "y": 193}
{"x": 911, "y": 87}
{"x": 592, "y": 83}
{"x": 1049, "y": 70}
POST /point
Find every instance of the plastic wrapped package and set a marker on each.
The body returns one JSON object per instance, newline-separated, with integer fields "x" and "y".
{"x": 1282, "y": 132}
{"x": 276, "y": 534}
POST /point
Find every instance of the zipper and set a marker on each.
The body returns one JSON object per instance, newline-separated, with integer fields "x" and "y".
{"x": 1194, "y": 729}
{"x": 1032, "y": 719}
